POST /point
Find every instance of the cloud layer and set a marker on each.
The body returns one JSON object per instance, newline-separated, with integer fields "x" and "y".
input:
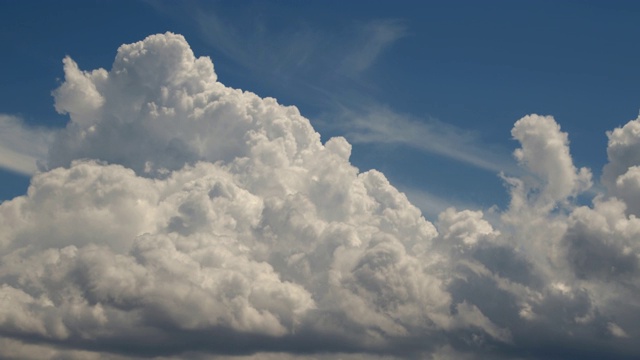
{"x": 179, "y": 217}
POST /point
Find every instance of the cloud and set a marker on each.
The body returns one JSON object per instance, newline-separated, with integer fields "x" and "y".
{"x": 381, "y": 125}
{"x": 602, "y": 241}
{"x": 376, "y": 36}
{"x": 22, "y": 146}
{"x": 545, "y": 154}
{"x": 620, "y": 175}
{"x": 296, "y": 48}
{"x": 430, "y": 204}
{"x": 324, "y": 65}
{"x": 178, "y": 217}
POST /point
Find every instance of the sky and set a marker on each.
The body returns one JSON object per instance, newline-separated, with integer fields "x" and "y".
{"x": 319, "y": 179}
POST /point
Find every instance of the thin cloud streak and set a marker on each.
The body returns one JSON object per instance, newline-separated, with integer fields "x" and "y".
{"x": 22, "y": 146}
{"x": 300, "y": 60}
{"x": 377, "y": 36}
{"x": 301, "y": 49}
{"x": 382, "y": 125}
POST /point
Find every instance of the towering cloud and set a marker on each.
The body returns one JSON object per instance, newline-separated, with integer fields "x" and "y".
{"x": 179, "y": 217}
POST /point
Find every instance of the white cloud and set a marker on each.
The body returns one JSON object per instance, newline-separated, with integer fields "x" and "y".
{"x": 79, "y": 95}
{"x": 620, "y": 175}
{"x": 464, "y": 228}
{"x": 431, "y": 204}
{"x": 261, "y": 234}
{"x": 622, "y": 151}
{"x": 182, "y": 218}
{"x": 545, "y": 153}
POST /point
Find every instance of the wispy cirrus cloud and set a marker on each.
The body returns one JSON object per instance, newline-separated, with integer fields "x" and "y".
{"x": 375, "y": 124}
{"x": 300, "y": 48}
{"x": 374, "y": 38}
{"x": 22, "y": 146}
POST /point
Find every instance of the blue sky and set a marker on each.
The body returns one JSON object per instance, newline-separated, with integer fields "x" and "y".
{"x": 463, "y": 68}
{"x": 320, "y": 179}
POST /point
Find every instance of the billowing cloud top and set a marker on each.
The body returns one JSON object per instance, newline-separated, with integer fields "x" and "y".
{"x": 179, "y": 217}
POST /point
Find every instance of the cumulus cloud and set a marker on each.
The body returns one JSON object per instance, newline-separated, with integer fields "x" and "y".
{"x": 545, "y": 153}
{"x": 621, "y": 175}
{"x": 178, "y": 217}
